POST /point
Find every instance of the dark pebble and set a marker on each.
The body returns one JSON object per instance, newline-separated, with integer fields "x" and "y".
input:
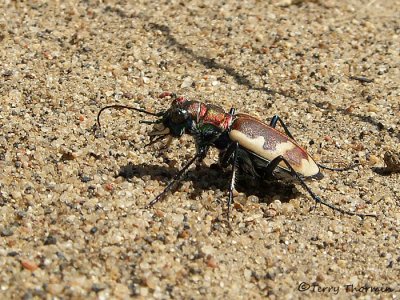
{"x": 50, "y": 240}
{"x": 85, "y": 178}
{"x": 86, "y": 49}
{"x": 97, "y": 288}
{"x": 27, "y": 296}
{"x": 12, "y": 253}
{"x": 7, "y": 73}
{"x": 7, "y": 232}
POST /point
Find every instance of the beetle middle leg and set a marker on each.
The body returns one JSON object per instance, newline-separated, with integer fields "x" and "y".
{"x": 231, "y": 153}
{"x": 273, "y": 164}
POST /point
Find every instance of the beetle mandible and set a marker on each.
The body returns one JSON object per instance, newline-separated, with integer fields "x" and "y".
{"x": 246, "y": 143}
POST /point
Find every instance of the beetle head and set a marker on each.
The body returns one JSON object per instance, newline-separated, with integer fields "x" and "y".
{"x": 176, "y": 120}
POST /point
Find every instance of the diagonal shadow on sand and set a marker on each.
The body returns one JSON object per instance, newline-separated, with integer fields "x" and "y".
{"x": 211, "y": 63}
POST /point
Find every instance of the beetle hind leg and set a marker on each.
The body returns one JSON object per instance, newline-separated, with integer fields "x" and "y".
{"x": 346, "y": 168}
{"x": 274, "y": 164}
{"x": 275, "y": 119}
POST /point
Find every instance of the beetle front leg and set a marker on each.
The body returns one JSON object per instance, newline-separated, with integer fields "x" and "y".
{"x": 175, "y": 179}
{"x": 275, "y": 119}
{"x": 274, "y": 164}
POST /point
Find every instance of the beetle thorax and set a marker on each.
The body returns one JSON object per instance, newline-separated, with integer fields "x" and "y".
{"x": 210, "y": 114}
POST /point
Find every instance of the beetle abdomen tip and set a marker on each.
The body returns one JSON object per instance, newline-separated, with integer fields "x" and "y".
{"x": 318, "y": 176}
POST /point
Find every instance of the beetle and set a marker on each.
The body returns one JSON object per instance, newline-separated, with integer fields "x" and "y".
{"x": 245, "y": 143}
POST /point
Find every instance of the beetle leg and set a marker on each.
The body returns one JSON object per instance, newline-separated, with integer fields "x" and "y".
{"x": 175, "y": 179}
{"x": 275, "y": 162}
{"x": 349, "y": 167}
{"x": 233, "y": 176}
{"x": 275, "y": 119}
{"x": 224, "y": 158}
{"x": 202, "y": 153}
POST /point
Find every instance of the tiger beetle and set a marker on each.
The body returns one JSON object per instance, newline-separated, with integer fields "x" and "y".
{"x": 250, "y": 146}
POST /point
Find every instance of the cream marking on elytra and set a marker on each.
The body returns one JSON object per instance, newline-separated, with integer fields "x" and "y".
{"x": 307, "y": 168}
{"x": 257, "y": 145}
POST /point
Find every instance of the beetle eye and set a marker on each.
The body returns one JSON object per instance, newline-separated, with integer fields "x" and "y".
{"x": 179, "y": 116}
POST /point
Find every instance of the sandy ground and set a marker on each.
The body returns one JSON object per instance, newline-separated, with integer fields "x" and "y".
{"x": 71, "y": 228}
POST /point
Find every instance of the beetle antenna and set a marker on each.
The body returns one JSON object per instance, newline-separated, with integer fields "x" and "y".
{"x": 150, "y": 122}
{"x": 117, "y": 106}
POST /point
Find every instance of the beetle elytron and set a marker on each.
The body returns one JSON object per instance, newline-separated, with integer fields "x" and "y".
{"x": 247, "y": 144}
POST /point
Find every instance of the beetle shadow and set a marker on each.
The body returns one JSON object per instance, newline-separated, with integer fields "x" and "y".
{"x": 383, "y": 171}
{"x": 213, "y": 178}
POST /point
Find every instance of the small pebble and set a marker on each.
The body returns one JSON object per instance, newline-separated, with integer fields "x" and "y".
{"x": 247, "y": 274}
{"x": 55, "y": 288}
{"x": 7, "y": 232}
{"x": 187, "y": 82}
{"x": 96, "y": 287}
{"x": 392, "y": 161}
{"x": 211, "y": 262}
{"x": 13, "y": 253}
{"x": 373, "y": 159}
{"x": 85, "y": 178}
{"x": 144, "y": 291}
{"x": 29, "y": 265}
{"x": 50, "y": 240}
{"x": 207, "y": 249}
{"x": 108, "y": 187}
{"x": 320, "y": 277}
